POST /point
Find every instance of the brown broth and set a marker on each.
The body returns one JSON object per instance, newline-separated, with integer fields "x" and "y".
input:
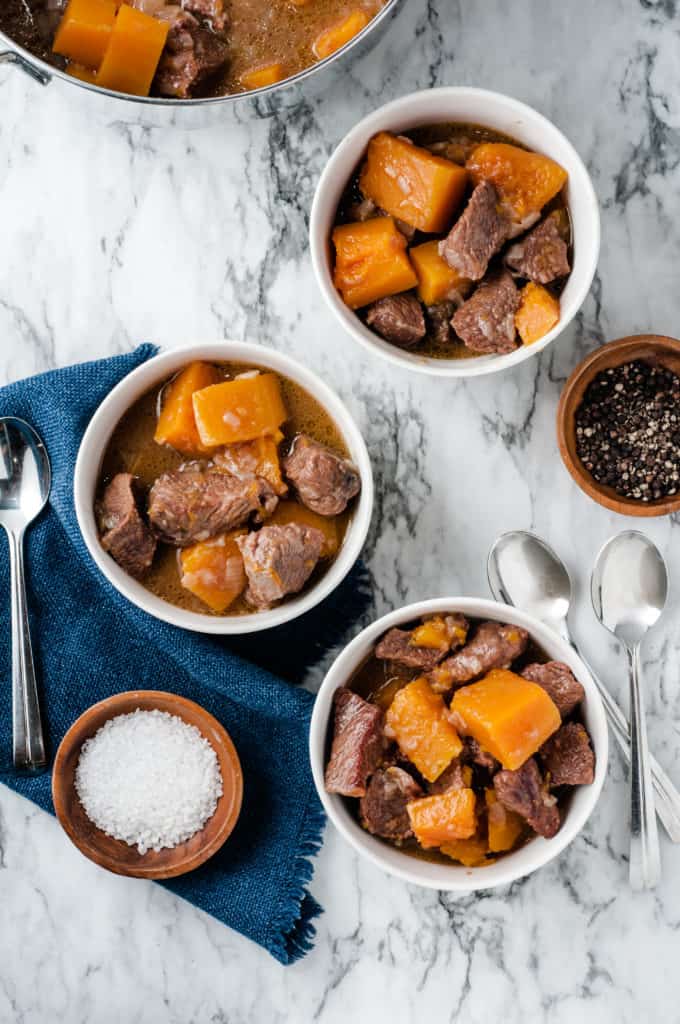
{"x": 132, "y": 449}
{"x": 463, "y": 139}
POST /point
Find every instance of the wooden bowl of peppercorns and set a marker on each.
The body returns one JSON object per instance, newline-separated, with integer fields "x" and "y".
{"x": 618, "y": 425}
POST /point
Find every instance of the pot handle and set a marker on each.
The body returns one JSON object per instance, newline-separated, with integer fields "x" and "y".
{"x": 10, "y": 57}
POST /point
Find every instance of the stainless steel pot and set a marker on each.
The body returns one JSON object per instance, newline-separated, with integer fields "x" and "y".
{"x": 190, "y": 113}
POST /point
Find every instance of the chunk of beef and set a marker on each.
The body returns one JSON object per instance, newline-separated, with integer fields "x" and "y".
{"x": 525, "y": 792}
{"x": 324, "y": 481}
{"x": 396, "y": 646}
{"x": 486, "y": 322}
{"x": 125, "y": 534}
{"x": 477, "y": 235}
{"x": 382, "y": 810}
{"x": 211, "y": 10}
{"x": 192, "y": 53}
{"x": 279, "y": 560}
{"x": 452, "y": 777}
{"x": 398, "y": 318}
{"x": 357, "y": 746}
{"x": 559, "y": 682}
{"x": 493, "y": 645}
{"x": 474, "y": 754}
{"x": 568, "y": 756}
{"x": 542, "y": 255}
{"x": 438, "y": 320}
{"x": 196, "y": 502}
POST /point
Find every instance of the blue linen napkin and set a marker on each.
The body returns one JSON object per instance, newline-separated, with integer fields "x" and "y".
{"x": 90, "y": 642}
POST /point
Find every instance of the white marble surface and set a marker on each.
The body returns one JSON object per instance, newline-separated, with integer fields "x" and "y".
{"x": 111, "y": 234}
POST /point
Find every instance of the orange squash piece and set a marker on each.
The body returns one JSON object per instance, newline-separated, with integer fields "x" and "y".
{"x": 371, "y": 261}
{"x": 258, "y": 78}
{"x": 470, "y": 852}
{"x": 438, "y": 632}
{"x": 509, "y": 716}
{"x": 338, "y": 35}
{"x": 176, "y": 424}
{"x": 213, "y": 570}
{"x": 82, "y": 73}
{"x": 84, "y": 32}
{"x": 538, "y": 313}
{"x": 411, "y": 183}
{"x": 133, "y": 52}
{"x": 443, "y": 818}
{"x": 525, "y": 181}
{"x": 292, "y": 512}
{"x": 255, "y": 458}
{"x": 436, "y": 279}
{"x": 504, "y": 826}
{"x": 239, "y": 410}
{"x": 418, "y": 719}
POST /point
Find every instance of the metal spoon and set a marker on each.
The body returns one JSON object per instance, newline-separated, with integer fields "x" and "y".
{"x": 25, "y": 479}
{"x": 525, "y": 572}
{"x": 629, "y": 587}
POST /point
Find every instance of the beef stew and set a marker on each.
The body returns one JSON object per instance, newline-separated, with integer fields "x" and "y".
{"x": 184, "y": 48}
{"x": 453, "y": 241}
{"x": 225, "y": 490}
{"x": 459, "y": 741}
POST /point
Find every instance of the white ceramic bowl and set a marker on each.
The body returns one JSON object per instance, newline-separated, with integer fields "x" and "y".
{"x": 473, "y": 106}
{"x": 456, "y": 878}
{"x": 136, "y": 384}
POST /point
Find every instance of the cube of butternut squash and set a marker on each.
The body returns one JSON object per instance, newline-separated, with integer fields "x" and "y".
{"x": 371, "y": 261}
{"x": 418, "y": 720}
{"x": 259, "y": 457}
{"x": 509, "y": 716}
{"x": 239, "y": 410}
{"x": 213, "y": 570}
{"x": 525, "y": 181}
{"x": 411, "y": 183}
{"x": 440, "y": 632}
{"x": 257, "y": 78}
{"x": 538, "y": 313}
{"x": 504, "y": 827}
{"x": 84, "y": 31}
{"x": 176, "y": 424}
{"x": 292, "y": 512}
{"x": 336, "y": 36}
{"x": 470, "y": 852}
{"x": 134, "y": 49}
{"x": 443, "y": 818}
{"x": 436, "y": 279}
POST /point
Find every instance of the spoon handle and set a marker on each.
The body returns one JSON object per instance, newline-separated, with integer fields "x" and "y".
{"x": 28, "y": 746}
{"x": 667, "y": 798}
{"x": 645, "y": 862}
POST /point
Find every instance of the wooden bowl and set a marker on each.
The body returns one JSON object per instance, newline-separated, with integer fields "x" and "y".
{"x": 652, "y": 347}
{"x": 114, "y": 854}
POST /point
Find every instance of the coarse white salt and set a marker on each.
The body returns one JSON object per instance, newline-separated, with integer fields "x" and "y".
{"x": 148, "y": 778}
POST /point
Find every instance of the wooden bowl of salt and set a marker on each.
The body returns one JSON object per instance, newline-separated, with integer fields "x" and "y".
{"x": 120, "y": 791}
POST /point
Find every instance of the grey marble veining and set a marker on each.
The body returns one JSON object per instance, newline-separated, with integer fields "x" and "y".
{"x": 112, "y": 233}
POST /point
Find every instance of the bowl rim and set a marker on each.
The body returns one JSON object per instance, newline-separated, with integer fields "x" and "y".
{"x": 119, "y": 400}
{"x": 355, "y": 142}
{"x": 443, "y": 877}
{"x": 119, "y": 704}
{"x": 570, "y": 397}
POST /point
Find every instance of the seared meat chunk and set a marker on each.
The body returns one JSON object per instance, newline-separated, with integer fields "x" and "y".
{"x": 473, "y": 753}
{"x": 212, "y": 10}
{"x": 398, "y": 318}
{"x": 324, "y": 481}
{"x": 525, "y": 792}
{"x": 358, "y": 743}
{"x": 192, "y": 53}
{"x": 493, "y": 645}
{"x": 279, "y": 560}
{"x": 542, "y": 254}
{"x": 486, "y": 322}
{"x": 477, "y": 235}
{"x": 559, "y": 682}
{"x": 196, "y": 502}
{"x": 452, "y": 777}
{"x": 125, "y": 534}
{"x": 382, "y": 810}
{"x": 396, "y": 646}
{"x": 568, "y": 756}
{"x": 439, "y": 323}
